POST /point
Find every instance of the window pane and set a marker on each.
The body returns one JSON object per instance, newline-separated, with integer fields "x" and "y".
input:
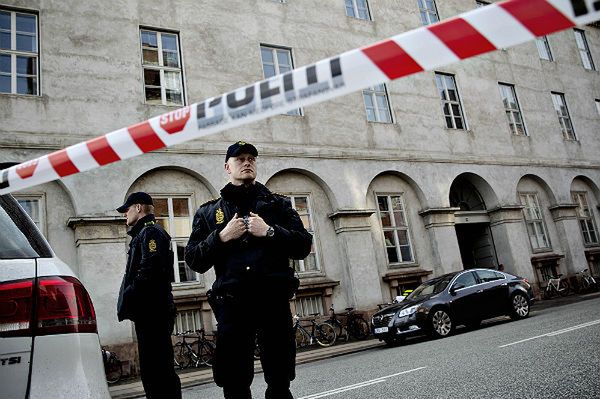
{"x": 381, "y": 101}
{"x": 402, "y": 237}
{"x": 368, "y": 100}
{"x": 4, "y": 84}
{"x": 459, "y": 123}
{"x": 301, "y": 204}
{"x": 269, "y": 70}
{"x": 392, "y": 255}
{"x": 399, "y": 219}
{"x": 396, "y": 203}
{"x": 161, "y": 208}
{"x": 390, "y": 238}
{"x": 305, "y": 221}
{"x": 149, "y": 39}
{"x": 26, "y": 66}
{"x": 152, "y": 77}
{"x": 174, "y": 97}
{"x": 172, "y": 81}
{"x": 150, "y": 56}
{"x": 5, "y": 40}
{"x": 406, "y": 254}
{"x": 181, "y": 207}
{"x": 182, "y": 227}
{"x": 169, "y": 42}
{"x": 4, "y": 20}
{"x": 164, "y": 223}
{"x": 266, "y": 55}
{"x": 386, "y": 220}
{"x": 283, "y": 58}
{"x": 153, "y": 95}
{"x": 170, "y": 59}
{"x": 5, "y": 63}
{"x": 26, "y": 23}
{"x": 26, "y": 85}
{"x": 383, "y": 204}
{"x": 26, "y": 43}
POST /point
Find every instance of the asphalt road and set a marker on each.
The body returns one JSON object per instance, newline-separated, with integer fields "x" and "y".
{"x": 555, "y": 353}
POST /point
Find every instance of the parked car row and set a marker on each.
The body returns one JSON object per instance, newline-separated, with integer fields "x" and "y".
{"x": 466, "y": 297}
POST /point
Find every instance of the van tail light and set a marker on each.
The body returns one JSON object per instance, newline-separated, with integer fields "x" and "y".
{"x": 57, "y": 305}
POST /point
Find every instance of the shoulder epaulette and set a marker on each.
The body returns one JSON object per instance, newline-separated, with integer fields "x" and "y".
{"x": 212, "y": 201}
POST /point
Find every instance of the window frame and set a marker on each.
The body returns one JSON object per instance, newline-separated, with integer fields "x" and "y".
{"x": 373, "y": 93}
{"x": 535, "y": 222}
{"x": 297, "y": 111}
{"x": 562, "y": 117}
{"x": 13, "y": 53}
{"x": 355, "y": 10}
{"x": 451, "y": 102}
{"x": 510, "y": 112}
{"x": 313, "y": 233}
{"x": 580, "y": 33}
{"x": 589, "y": 220}
{"x": 41, "y": 203}
{"x": 161, "y": 67}
{"x": 299, "y": 305}
{"x": 178, "y": 239}
{"x": 395, "y": 229}
{"x": 542, "y": 42}
{"x": 422, "y": 6}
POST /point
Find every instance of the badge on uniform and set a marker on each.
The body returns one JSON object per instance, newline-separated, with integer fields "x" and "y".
{"x": 152, "y": 245}
{"x": 219, "y": 216}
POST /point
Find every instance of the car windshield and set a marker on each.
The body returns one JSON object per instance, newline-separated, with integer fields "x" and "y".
{"x": 431, "y": 287}
{"x": 19, "y": 239}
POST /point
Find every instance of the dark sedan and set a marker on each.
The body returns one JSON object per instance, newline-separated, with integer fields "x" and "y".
{"x": 466, "y": 298}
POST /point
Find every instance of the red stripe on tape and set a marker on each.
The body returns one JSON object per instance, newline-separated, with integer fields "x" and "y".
{"x": 62, "y": 164}
{"x": 460, "y": 37}
{"x": 102, "y": 151}
{"x": 392, "y": 59}
{"x": 145, "y": 137}
{"x": 539, "y": 16}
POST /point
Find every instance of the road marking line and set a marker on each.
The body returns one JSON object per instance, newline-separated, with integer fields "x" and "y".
{"x": 554, "y": 333}
{"x": 357, "y": 385}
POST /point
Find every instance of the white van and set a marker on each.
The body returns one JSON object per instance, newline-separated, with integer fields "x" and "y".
{"x": 49, "y": 346}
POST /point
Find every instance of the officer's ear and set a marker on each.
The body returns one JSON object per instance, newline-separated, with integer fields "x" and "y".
{"x": 227, "y": 168}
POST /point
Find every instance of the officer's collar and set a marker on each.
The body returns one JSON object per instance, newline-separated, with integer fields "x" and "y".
{"x": 231, "y": 191}
{"x": 141, "y": 223}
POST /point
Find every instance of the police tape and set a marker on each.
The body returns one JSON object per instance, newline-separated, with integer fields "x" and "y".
{"x": 485, "y": 29}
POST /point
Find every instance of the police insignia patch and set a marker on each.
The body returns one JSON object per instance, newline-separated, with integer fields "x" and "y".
{"x": 219, "y": 216}
{"x": 152, "y": 246}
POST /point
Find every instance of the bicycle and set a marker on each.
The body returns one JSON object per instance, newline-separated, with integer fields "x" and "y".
{"x": 585, "y": 282}
{"x": 321, "y": 333}
{"x": 557, "y": 286}
{"x": 185, "y": 354}
{"x": 113, "y": 368}
{"x": 355, "y": 325}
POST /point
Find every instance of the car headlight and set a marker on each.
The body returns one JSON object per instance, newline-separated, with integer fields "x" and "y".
{"x": 408, "y": 311}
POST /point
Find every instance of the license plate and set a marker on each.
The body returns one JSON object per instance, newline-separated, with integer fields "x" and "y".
{"x": 381, "y": 330}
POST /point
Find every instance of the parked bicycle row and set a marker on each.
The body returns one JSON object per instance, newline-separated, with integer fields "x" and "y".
{"x": 581, "y": 283}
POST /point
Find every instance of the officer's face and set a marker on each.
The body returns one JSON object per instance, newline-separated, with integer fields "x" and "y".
{"x": 241, "y": 169}
{"x": 133, "y": 214}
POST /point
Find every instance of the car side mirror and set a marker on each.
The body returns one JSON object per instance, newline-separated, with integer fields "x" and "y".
{"x": 456, "y": 287}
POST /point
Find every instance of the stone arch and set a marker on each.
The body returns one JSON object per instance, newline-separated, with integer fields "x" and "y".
{"x": 312, "y": 176}
{"x": 470, "y": 191}
{"x": 539, "y": 181}
{"x": 418, "y": 191}
{"x": 580, "y": 181}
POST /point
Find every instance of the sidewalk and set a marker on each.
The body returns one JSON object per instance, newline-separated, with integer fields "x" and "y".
{"x": 133, "y": 389}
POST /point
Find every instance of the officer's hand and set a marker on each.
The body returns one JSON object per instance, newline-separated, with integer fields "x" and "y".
{"x": 234, "y": 229}
{"x": 257, "y": 226}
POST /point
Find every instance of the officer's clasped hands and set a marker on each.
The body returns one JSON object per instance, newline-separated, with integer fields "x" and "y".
{"x": 238, "y": 226}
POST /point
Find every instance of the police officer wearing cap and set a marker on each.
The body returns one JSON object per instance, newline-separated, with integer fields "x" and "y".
{"x": 146, "y": 299}
{"x": 248, "y": 235}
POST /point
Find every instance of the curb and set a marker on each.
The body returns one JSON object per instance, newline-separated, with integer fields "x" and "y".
{"x": 135, "y": 389}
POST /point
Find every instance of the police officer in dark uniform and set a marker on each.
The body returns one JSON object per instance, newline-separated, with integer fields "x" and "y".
{"x": 249, "y": 235}
{"x": 146, "y": 299}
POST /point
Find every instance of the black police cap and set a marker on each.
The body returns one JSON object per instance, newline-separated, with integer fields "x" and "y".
{"x": 241, "y": 147}
{"x": 135, "y": 198}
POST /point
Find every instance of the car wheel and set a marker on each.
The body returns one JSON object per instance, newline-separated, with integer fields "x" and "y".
{"x": 519, "y": 307}
{"x": 441, "y": 323}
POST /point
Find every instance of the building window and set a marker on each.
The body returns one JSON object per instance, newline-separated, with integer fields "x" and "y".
{"x": 512, "y": 109}
{"x": 173, "y": 214}
{"x": 377, "y": 104}
{"x": 161, "y": 60}
{"x": 392, "y": 214}
{"x": 534, "y": 220}
{"x": 19, "y": 67}
{"x": 584, "y": 50}
{"x": 451, "y": 105}
{"x": 357, "y": 9}
{"x": 428, "y": 10}
{"x": 34, "y": 207}
{"x": 544, "y": 48}
{"x": 480, "y": 4}
{"x": 307, "y": 305}
{"x": 188, "y": 320}
{"x": 276, "y": 60}
{"x": 586, "y": 219}
{"x": 301, "y": 203}
{"x": 560, "y": 105}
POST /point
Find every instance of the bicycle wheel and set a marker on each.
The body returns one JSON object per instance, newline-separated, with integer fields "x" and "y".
{"x": 181, "y": 356}
{"x": 549, "y": 293}
{"x": 340, "y": 331}
{"x": 359, "y": 328}
{"x": 325, "y": 334}
{"x": 113, "y": 369}
{"x": 302, "y": 338}
{"x": 565, "y": 288}
{"x": 206, "y": 353}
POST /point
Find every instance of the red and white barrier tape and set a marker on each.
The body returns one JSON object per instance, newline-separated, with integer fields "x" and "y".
{"x": 479, "y": 31}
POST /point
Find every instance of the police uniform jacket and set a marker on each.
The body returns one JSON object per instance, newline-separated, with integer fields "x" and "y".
{"x": 146, "y": 287}
{"x": 248, "y": 262}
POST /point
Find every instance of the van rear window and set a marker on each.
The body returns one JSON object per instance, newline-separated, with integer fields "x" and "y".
{"x": 19, "y": 238}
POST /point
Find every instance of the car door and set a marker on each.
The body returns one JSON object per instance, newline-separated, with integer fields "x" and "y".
{"x": 494, "y": 297}
{"x": 464, "y": 297}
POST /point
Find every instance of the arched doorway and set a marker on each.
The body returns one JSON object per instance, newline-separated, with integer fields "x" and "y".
{"x": 472, "y": 225}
